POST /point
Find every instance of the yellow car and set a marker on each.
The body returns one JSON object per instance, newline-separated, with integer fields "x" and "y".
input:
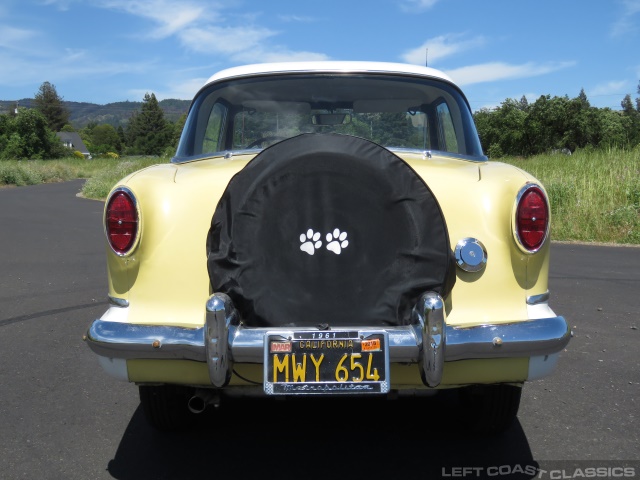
{"x": 328, "y": 229}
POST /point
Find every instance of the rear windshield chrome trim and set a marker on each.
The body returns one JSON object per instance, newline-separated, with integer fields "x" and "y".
{"x": 439, "y": 153}
{"x": 213, "y": 155}
{"x": 427, "y": 154}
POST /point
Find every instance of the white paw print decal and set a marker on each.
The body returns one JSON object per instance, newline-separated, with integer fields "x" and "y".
{"x": 310, "y": 242}
{"x": 337, "y": 241}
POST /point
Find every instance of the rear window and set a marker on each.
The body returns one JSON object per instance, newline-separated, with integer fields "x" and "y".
{"x": 394, "y": 111}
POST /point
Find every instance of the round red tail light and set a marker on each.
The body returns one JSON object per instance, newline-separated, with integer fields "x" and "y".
{"x": 121, "y": 221}
{"x": 532, "y": 218}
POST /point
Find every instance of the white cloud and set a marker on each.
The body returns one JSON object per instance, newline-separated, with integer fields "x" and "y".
{"x": 176, "y": 23}
{"x": 202, "y": 31}
{"x": 22, "y": 71}
{"x": 411, "y": 6}
{"x": 172, "y": 17}
{"x": 296, "y": 18}
{"x": 73, "y": 55}
{"x": 197, "y": 25}
{"x": 59, "y": 4}
{"x": 441, "y": 47}
{"x": 184, "y": 90}
{"x": 610, "y": 88}
{"x": 224, "y": 40}
{"x": 491, "y": 72}
{"x": 626, "y": 24}
{"x": 279, "y": 54}
{"x": 14, "y": 38}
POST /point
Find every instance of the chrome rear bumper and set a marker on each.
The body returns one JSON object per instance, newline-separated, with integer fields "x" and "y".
{"x": 428, "y": 341}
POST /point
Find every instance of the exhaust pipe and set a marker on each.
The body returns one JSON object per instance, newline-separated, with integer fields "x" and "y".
{"x": 198, "y": 403}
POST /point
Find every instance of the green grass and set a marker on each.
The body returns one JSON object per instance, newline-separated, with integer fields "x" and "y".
{"x": 594, "y": 195}
{"x": 33, "y": 172}
{"x": 101, "y": 173}
{"x": 103, "y": 180}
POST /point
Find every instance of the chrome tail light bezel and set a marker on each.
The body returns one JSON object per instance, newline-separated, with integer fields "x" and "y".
{"x": 136, "y": 236}
{"x": 515, "y": 223}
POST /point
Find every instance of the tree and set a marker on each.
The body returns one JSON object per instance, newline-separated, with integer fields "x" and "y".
{"x": 632, "y": 119}
{"x": 122, "y": 137}
{"x": 175, "y": 129}
{"x": 580, "y": 124}
{"x": 502, "y": 130}
{"x": 104, "y": 138}
{"x": 546, "y": 124}
{"x": 5, "y": 122}
{"x": 393, "y": 129}
{"x": 611, "y": 129}
{"x": 524, "y": 103}
{"x": 27, "y": 136}
{"x": 178, "y": 126}
{"x": 627, "y": 105}
{"x": 520, "y": 128}
{"x": 511, "y": 116}
{"x": 49, "y": 103}
{"x": 148, "y": 132}
{"x": 583, "y": 99}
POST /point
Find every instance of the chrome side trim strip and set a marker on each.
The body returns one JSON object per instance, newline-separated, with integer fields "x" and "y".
{"x": 118, "y": 302}
{"x": 537, "y": 299}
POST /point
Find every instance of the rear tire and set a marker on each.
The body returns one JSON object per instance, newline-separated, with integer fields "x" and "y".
{"x": 490, "y": 409}
{"x": 165, "y": 406}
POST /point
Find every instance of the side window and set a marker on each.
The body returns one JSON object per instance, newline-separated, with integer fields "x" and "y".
{"x": 420, "y": 130}
{"x": 250, "y": 125}
{"x": 446, "y": 131}
{"x": 214, "y": 134}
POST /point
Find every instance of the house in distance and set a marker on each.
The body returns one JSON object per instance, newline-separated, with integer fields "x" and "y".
{"x": 73, "y": 141}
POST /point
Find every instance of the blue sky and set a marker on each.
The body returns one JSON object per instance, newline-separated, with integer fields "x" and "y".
{"x": 104, "y": 51}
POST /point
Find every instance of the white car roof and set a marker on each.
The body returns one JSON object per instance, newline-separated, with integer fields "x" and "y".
{"x": 328, "y": 66}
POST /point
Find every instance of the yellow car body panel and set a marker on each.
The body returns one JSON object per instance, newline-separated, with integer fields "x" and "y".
{"x": 477, "y": 201}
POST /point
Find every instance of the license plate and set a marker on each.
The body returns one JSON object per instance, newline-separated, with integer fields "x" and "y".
{"x": 326, "y": 362}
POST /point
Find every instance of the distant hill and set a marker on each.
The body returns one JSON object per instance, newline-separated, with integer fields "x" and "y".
{"x": 115, "y": 114}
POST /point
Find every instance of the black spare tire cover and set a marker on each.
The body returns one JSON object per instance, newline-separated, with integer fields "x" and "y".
{"x": 328, "y": 229}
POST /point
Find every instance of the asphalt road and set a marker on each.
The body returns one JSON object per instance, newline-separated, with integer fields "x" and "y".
{"x": 61, "y": 417}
